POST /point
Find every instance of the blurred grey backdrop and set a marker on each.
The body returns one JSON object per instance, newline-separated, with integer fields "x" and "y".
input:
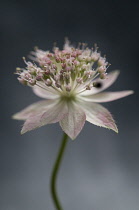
{"x": 100, "y": 170}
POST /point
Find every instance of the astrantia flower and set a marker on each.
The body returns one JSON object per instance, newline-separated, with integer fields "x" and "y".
{"x": 72, "y": 81}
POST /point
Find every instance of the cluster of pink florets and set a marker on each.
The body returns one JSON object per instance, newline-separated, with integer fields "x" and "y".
{"x": 63, "y": 68}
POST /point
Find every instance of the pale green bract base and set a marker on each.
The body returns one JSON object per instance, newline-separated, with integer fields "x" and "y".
{"x": 71, "y": 113}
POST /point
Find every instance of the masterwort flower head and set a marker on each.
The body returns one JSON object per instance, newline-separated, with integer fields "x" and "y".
{"x": 71, "y": 81}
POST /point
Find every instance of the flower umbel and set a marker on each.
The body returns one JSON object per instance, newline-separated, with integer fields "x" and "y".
{"x": 72, "y": 81}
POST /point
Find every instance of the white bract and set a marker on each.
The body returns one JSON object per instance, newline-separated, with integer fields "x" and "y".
{"x": 72, "y": 81}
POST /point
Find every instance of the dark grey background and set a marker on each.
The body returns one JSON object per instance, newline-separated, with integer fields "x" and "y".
{"x": 100, "y": 170}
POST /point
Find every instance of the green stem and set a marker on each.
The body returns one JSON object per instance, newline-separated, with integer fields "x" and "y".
{"x": 55, "y": 172}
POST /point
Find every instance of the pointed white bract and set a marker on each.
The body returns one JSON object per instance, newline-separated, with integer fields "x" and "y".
{"x": 74, "y": 121}
{"x": 107, "y": 96}
{"x": 98, "y": 115}
{"x": 34, "y": 109}
{"x": 53, "y": 114}
{"x": 72, "y": 81}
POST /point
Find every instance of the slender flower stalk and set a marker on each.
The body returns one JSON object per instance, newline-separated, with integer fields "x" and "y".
{"x": 55, "y": 172}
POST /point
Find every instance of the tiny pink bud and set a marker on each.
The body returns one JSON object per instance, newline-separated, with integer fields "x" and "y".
{"x": 22, "y": 81}
{"x": 102, "y": 76}
{"x": 68, "y": 68}
{"x": 50, "y": 55}
{"x": 101, "y": 69}
{"x": 57, "y": 60}
{"x": 63, "y": 65}
{"x": 88, "y": 87}
{"x": 47, "y": 72}
{"x": 48, "y": 82}
{"x": 32, "y": 82}
{"x": 102, "y": 62}
{"x": 57, "y": 85}
{"x": 68, "y": 88}
{"x": 76, "y": 62}
{"x": 79, "y": 80}
{"x": 39, "y": 78}
{"x": 95, "y": 56}
{"x": 48, "y": 62}
{"x": 27, "y": 76}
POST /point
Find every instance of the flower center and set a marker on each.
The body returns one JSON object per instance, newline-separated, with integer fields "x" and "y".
{"x": 68, "y": 71}
{"x": 68, "y": 97}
